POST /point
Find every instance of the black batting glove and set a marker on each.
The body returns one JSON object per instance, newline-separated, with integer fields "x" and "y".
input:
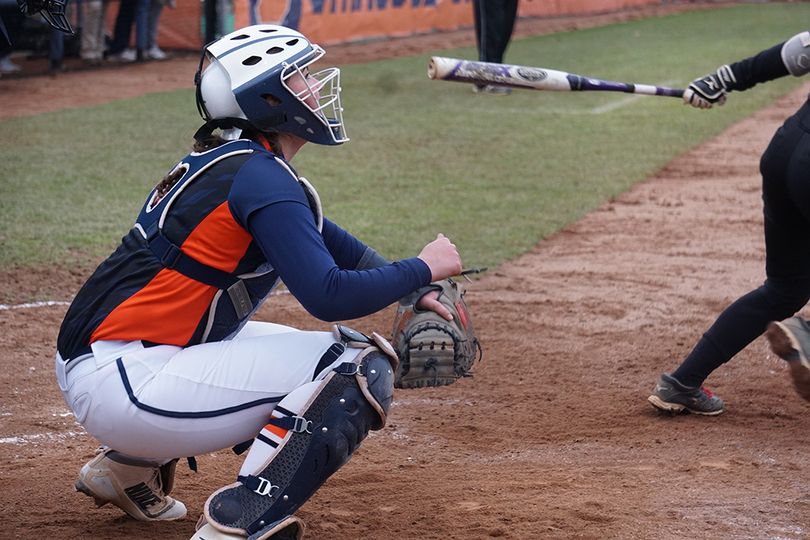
{"x": 710, "y": 90}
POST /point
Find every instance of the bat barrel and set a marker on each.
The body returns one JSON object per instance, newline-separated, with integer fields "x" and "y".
{"x": 439, "y": 68}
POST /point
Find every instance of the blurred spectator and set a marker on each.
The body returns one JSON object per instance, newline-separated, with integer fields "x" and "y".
{"x": 56, "y": 51}
{"x": 5, "y": 42}
{"x": 94, "y": 31}
{"x": 13, "y": 21}
{"x": 130, "y": 12}
{"x": 255, "y": 16}
{"x": 210, "y": 14}
{"x": 153, "y": 52}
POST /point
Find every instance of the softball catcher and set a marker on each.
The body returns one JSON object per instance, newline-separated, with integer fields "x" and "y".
{"x": 157, "y": 356}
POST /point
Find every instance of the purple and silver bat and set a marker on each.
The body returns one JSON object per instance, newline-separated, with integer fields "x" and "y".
{"x": 533, "y": 78}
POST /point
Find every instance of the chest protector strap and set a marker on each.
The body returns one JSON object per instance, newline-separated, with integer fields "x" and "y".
{"x": 173, "y": 258}
{"x": 170, "y": 254}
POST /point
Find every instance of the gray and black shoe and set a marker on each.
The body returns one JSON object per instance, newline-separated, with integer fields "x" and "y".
{"x": 671, "y": 396}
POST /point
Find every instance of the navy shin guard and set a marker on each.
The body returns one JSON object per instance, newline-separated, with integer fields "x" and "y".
{"x": 319, "y": 441}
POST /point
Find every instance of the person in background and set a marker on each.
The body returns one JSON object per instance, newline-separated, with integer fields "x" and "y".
{"x": 130, "y": 12}
{"x": 494, "y": 24}
{"x": 153, "y": 51}
{"x": 94, "y": 31}
{"x": 56, "y": 51}
{"x": 13, "y": 20}
{"x": 255, "y": 15}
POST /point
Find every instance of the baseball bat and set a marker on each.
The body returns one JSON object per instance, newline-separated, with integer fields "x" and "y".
{"x": 533, "y": 78}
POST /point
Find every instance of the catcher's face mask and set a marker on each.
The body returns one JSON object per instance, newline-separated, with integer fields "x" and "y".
{"x": 52, "y": 10}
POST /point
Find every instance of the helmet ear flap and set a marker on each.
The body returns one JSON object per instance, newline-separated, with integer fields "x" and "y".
{"x": 206, "y": 129}
{"x": 197, "y": 84}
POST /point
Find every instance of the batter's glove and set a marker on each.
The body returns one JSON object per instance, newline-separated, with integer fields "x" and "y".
{"x": 710, "y": 90}
{"x": 433, "y": 351}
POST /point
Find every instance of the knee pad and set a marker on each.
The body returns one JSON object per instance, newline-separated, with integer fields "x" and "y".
{"x": 350, "y": 401}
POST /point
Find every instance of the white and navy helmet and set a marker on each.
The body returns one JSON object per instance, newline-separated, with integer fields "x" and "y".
{"x": 248, "y": 66}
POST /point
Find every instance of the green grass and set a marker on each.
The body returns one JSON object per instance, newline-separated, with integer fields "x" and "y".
{"x": 495, "y": 174}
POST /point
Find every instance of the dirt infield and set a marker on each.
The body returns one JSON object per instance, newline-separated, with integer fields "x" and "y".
{"x": 553, "y": 436}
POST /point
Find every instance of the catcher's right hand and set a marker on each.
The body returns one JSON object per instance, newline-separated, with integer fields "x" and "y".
{"x": 433, "y": 351}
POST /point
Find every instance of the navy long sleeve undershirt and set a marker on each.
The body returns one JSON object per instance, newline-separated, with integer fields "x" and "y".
{"x": 763, "y": 67}
{"x": 329, "y": 290}
{"x": 319, "y": 268}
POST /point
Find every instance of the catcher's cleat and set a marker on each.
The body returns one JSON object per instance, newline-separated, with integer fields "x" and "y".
{"x": 671, "y": 396}
{"x": 790, "y": 340}
{"x": 137, "y": 486}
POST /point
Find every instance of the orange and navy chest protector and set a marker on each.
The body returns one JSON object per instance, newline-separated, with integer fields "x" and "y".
{"x": 187, "y": 272}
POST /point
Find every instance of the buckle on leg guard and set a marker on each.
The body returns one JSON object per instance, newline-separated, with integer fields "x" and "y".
{"x": 298, "y": 424}
{"x": 259, "y": 485}
{"x": 347, "y": 368}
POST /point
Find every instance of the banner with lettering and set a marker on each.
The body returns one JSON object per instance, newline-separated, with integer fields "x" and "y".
{"x": 328, "y": 22}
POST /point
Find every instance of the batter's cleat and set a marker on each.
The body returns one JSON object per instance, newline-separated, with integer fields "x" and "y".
{"x": 671, "y": 396}
{"x": 138, "y": 487}
{"x": 790, "y": 340}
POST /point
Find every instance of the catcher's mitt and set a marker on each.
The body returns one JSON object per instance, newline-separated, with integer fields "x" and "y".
{"x": 432, "y": 350}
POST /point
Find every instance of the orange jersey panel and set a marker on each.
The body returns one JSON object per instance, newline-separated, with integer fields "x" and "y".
{"x": 170, "y": 307}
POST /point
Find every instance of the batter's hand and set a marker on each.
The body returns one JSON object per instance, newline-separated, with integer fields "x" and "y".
{"x": 442, "y": 258}
{"x": 710, "y": 90}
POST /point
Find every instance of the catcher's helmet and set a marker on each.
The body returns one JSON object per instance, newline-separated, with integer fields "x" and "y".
{"x": 245, "y": 86}
{"x": 52, "y": 10}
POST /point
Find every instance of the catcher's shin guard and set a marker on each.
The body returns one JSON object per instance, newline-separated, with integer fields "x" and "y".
{"x": 289, "y": 528}
{"x": 313, "y": 432}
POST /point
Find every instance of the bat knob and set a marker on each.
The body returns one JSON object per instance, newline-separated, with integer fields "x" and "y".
{"x": 432, "y": 69}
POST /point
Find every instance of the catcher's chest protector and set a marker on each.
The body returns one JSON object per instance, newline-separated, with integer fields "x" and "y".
{"x": 155, "y": 212}
{"x": 185, "y": 205}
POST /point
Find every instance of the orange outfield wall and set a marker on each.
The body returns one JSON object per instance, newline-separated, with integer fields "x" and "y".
{"x": 329, "y": 22}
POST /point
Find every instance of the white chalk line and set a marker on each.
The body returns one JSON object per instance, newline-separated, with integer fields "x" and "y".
{"x": 34, "y": 305}
{"x": 37, "y": 438}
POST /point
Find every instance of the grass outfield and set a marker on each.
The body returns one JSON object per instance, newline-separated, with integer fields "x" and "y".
{"x": 495, "y": 174}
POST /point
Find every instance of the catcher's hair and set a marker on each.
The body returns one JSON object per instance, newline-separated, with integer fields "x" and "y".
{"x": 215, "y": 140}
